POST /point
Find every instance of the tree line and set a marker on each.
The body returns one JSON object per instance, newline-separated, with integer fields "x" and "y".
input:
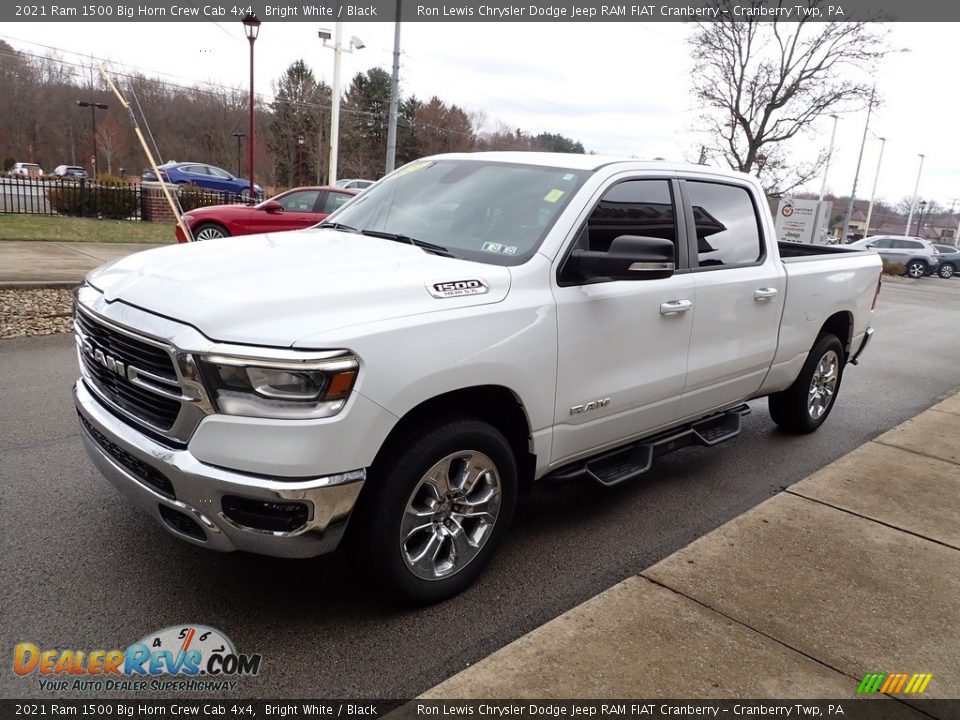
{"x": 40, "y": 122}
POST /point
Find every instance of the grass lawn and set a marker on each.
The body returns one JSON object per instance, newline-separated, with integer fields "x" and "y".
{"x": 69, "y": 229}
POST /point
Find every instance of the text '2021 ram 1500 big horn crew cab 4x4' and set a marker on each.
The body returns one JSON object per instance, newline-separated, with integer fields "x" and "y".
{"x": 469, "y": 325}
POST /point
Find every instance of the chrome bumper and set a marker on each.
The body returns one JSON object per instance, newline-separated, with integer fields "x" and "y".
{"x": 199, "y": 489}
{"x": 866, "y": 339}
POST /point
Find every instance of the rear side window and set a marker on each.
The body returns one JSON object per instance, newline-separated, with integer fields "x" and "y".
{"x": 728, "y": 233}
{"x": 634, "y": 207}
{"x": 882, "y": 243}
{"x": 907, "y": 245}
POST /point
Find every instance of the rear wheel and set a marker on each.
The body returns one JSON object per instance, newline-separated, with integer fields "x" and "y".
{"x": 946, "y": 270}
{"x": 916, "y": 268}
{"x": 435, "y": 510}
{"x": 805, "y": 405}
{"x": 210, "y": 231}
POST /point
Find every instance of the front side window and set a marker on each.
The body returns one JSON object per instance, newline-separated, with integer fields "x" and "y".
{"x": 303, "y": 201}
{"x": 634, "y": 207}
{"x": 728, "y": 233}
{"x": 492, "y": 212}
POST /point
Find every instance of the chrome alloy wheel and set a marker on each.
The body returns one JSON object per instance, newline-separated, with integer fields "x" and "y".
{"x": 450, "y": 515}
{"x": 823, "y": 384}
{"x": 210, "y": 233}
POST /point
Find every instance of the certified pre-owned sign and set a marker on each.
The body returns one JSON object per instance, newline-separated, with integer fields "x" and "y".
{"x": 457, "y": 288}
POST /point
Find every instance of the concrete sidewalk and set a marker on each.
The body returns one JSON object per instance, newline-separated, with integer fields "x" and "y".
{"x": 855, "y": 569}
{"x": 56, "y": 264}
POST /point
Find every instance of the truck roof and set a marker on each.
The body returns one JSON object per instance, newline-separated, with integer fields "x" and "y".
{"x": 577, "y": 161}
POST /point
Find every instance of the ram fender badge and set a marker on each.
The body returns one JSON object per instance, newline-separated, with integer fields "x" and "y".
{"x": 590, "y": 406}
{"x": 458, "y": 288}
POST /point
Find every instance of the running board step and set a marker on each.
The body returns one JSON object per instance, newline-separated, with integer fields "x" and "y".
{"x": 630, "y": 461}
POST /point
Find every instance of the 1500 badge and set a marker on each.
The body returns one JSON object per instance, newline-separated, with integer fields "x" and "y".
{"x": 458, "y": 288}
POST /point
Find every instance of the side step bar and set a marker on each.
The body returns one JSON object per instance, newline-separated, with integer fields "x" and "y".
{"x": 626, "y": 463}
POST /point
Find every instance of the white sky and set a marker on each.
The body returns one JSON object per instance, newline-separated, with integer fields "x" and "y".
{"x": 619, "y": 88}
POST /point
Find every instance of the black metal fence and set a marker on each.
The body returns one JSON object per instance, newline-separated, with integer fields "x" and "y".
{"x": 102, "y": 198}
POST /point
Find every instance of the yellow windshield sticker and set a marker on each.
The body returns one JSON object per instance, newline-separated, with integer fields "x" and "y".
{"x": 412, "y": 167}
{"x": 554, "y": 195}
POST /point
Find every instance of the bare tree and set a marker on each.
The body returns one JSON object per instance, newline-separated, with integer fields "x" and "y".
{"x": 763, "y": 82}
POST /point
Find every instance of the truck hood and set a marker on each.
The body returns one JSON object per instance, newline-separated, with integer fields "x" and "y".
{"x": 276, "y": 288}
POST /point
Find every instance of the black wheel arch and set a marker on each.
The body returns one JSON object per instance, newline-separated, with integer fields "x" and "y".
{"x": 495, "y": 404}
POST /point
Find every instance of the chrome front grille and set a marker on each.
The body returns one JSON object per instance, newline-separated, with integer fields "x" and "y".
{"x": 137, "y": 376}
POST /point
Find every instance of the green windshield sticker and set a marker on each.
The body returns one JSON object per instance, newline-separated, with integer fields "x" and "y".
{"x": 554, "y": 195}
{"x": 569, "y": 176}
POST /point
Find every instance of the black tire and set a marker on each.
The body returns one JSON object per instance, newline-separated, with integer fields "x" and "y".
{"x": 917, "y": 268}
{"x": 396, "y": 483}
{"x": 210, "y": 231}
{"x": 946, "y": 270}
{"x": 794, "y": 409}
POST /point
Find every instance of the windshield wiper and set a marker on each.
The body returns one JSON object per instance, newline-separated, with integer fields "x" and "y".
{"x": 337, "y": 226}
{"x": 429, "y": 247}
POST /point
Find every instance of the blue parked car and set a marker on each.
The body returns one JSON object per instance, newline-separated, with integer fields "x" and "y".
{"x": 206, "y": 177}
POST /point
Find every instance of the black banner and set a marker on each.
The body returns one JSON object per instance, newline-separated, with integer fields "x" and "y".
{"x": 476, "y": 11}
{"x": 857, "y": 709}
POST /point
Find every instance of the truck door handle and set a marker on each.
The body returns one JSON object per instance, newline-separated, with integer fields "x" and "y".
{"x": 674, "y": 307}
{"x": 765, "y": 294}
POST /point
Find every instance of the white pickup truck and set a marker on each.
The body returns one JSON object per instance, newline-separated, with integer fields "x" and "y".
{"x": 469, "y": 325}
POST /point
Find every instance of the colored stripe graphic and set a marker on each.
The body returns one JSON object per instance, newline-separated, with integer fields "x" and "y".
{"x": 871, "y": 682}
{"x": 913, "y": 684}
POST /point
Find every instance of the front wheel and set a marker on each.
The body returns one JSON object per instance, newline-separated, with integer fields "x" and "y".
{"x": 946, "y": 270}
{"x": 804, "y": 406}
{"x": 210, "y": 231}
{"x": 916, "y": 268}
{"x": 435, "y": 510}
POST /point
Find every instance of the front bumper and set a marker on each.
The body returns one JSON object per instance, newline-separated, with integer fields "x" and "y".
{"x": 186, "y": 496}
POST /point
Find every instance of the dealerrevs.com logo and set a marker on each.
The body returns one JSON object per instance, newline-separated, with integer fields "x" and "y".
{"x": 177, "y": 658}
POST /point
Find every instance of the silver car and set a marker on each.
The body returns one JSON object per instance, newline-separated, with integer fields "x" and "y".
{"x": 918, "y": 256}
{"x": 949, "y": 260}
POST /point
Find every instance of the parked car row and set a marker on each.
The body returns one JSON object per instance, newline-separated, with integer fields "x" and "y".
{"x": 32, "y": 170}
{"x": 293, "y": 210}
{"x": 205, "y": 177}
{"x": 919, "y": 257}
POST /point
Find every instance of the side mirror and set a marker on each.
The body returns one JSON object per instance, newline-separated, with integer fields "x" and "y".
{"x": 272, "y": 206}
{"x": 630, "y": 257}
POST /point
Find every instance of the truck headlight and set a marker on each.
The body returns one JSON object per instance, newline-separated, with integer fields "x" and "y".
{"x": 285, "y": 388}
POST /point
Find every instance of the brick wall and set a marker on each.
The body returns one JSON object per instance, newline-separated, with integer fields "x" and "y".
{"x": 155, "y": 207}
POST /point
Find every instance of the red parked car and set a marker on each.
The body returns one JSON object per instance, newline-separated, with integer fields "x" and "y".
{"x": 293, "y": 210}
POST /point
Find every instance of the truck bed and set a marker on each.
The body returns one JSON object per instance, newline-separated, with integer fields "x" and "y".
{"x": 794, "y": 251}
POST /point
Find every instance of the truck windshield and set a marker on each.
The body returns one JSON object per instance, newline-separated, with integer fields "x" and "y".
{"x": 492, "y": 212}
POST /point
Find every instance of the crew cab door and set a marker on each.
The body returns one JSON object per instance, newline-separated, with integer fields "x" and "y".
{"x": 622, "y": 344}
{"x": 740, "y": 286}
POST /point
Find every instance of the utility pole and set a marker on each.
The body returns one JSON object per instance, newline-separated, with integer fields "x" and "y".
{"x": 394, "y": 98}
{"x": 856, "y": 177}
{"x": 913, "y": 203}
{"x": 873, "y": 193}
{"x": 826, "y": 169}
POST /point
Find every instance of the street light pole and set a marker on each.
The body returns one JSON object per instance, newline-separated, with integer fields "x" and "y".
{"x": 94, "y": 106}
{"x": 394, "y": 99}
{"x": 826, "y": 169}
{"x": 300, "y": 142}
{"x": 338, "y": 49}
{"x": 923, "y": 206}
{"x": 251, "y": 26}
{"x": 238, "y": 136}
{"x": 856, "y": 176}
{"x": 913, "y": 204}
{"x": 873, "y": 193}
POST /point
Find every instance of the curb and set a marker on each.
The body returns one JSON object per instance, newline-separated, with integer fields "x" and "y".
{"x": 39, "y": 284}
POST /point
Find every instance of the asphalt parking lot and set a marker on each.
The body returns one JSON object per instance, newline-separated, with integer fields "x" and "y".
{"x": 82, "y": 569}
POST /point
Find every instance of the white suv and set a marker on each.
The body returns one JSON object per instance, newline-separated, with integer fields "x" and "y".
{"x": 919, "y": 256}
